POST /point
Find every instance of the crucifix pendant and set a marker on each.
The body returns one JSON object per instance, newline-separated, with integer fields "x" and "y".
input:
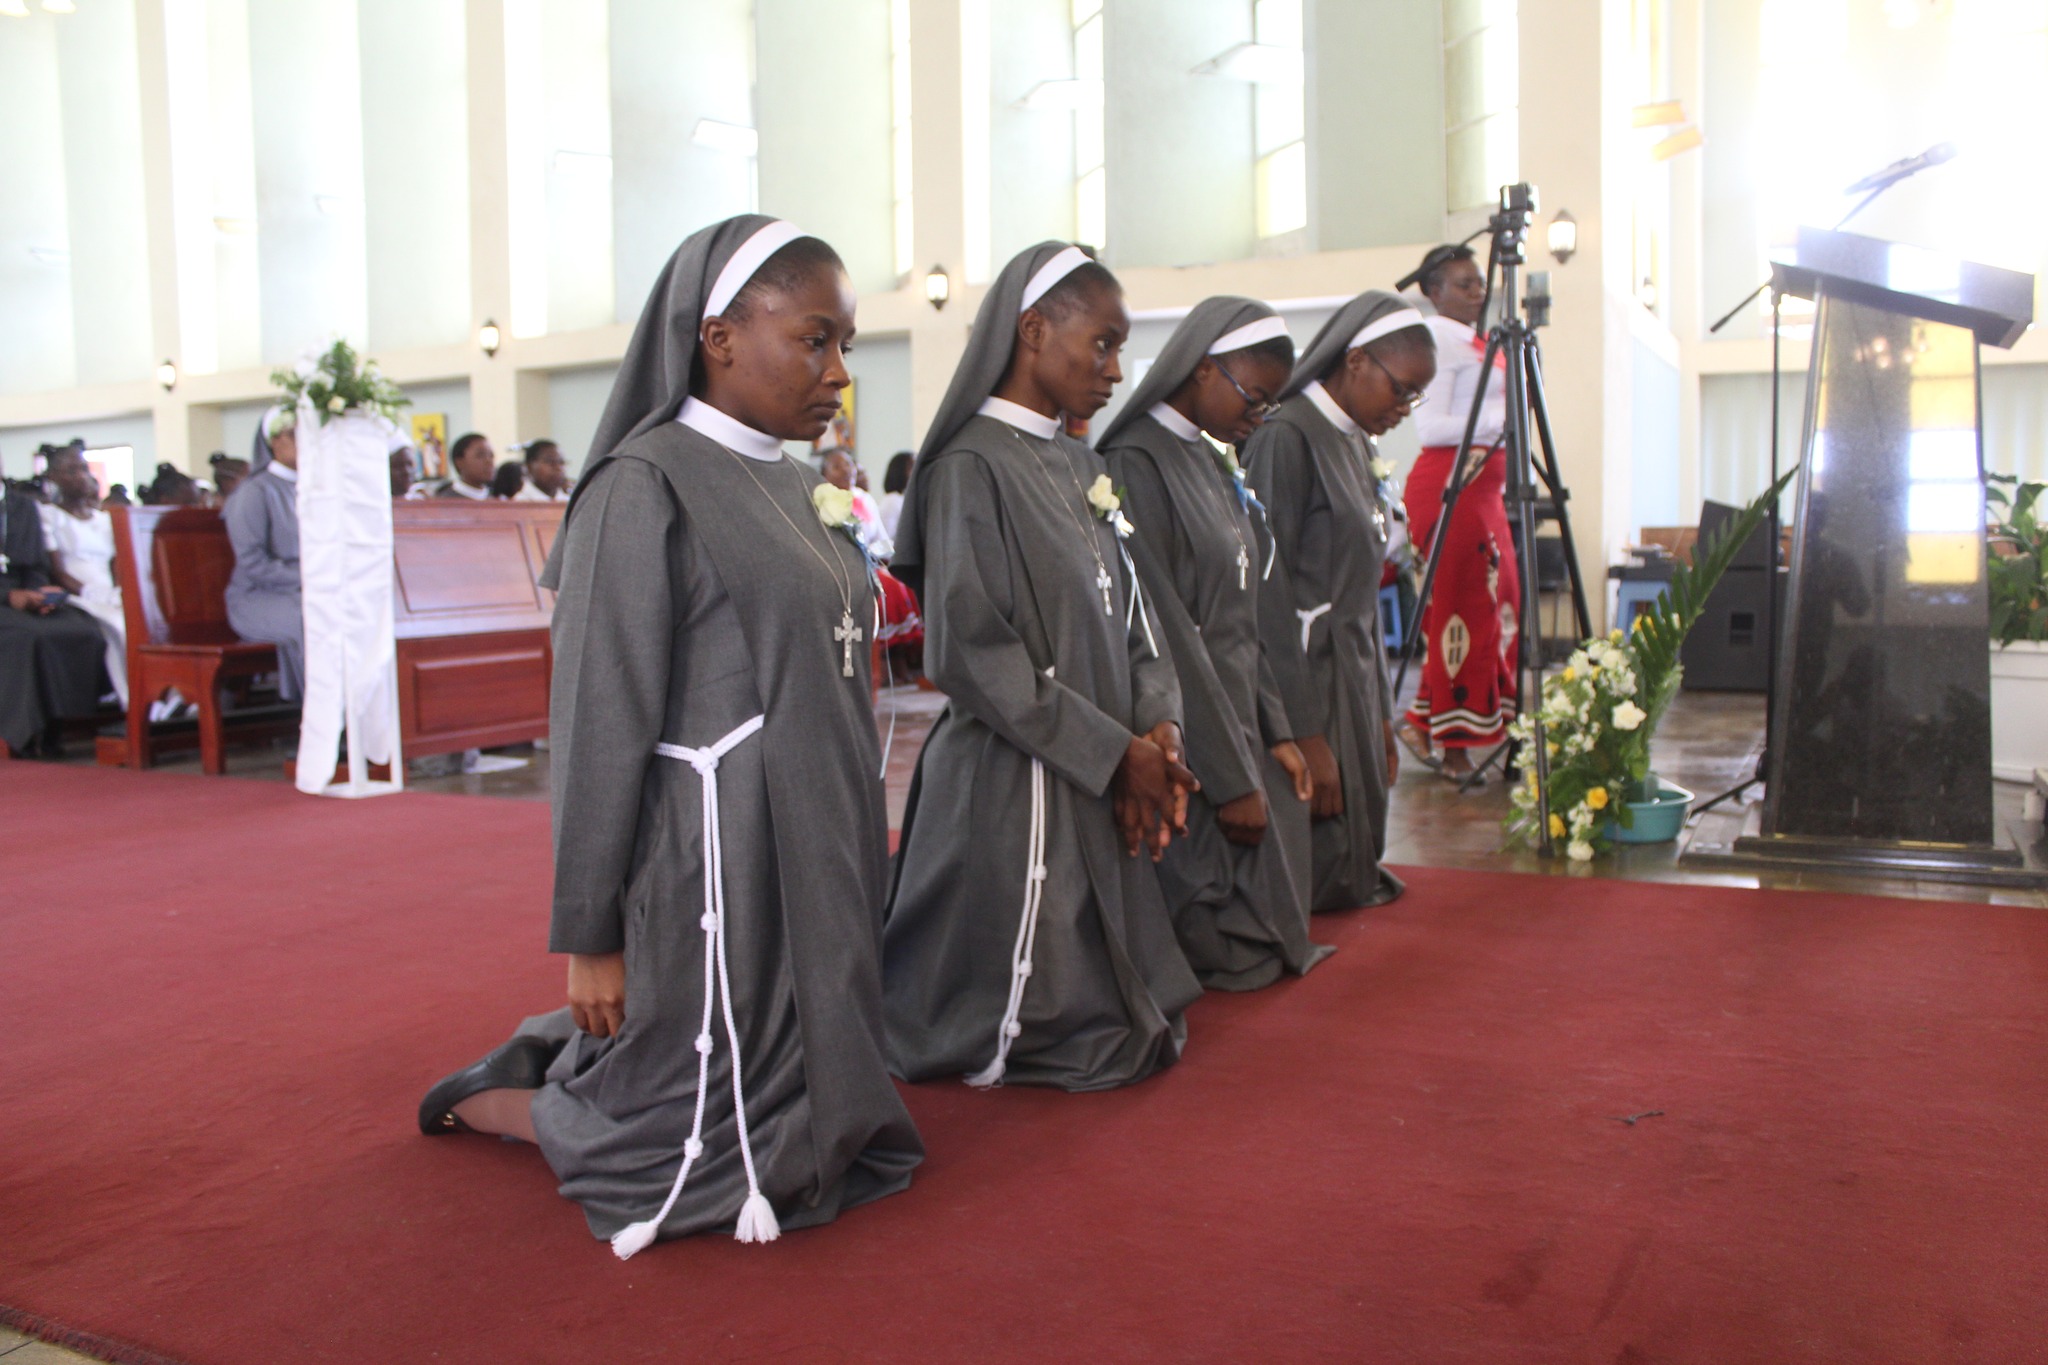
{"x": 848, "y": 635}
{"x": 1102, "y": 581}
{"x": 1244, "y": 564}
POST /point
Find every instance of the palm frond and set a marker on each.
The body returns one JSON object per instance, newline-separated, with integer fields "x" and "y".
{"x": 1661, "y": 631}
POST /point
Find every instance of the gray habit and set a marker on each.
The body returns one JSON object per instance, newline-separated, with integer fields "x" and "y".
{"x": 1328, "y": 516}
{"x": 1241, "y": 912}
{"x": 687, "y": 606}
{"x": 262, "y": 517}
{"x": 1033, "y": 668}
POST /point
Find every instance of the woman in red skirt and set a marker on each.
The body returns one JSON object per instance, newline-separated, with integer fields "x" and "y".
{"x": 1467, "y": 694}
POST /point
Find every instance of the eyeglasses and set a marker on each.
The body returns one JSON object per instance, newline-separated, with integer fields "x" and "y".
{"x": 1254, "y": 409}
{"x": 1408, "y": 397}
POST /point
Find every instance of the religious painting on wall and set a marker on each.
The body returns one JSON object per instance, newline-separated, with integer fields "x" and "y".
{"x": 430, "y": 440}
{"x": 839, "y": 435}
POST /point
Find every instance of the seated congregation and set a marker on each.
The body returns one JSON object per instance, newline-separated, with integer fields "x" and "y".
{"x": 1167, "y": 742}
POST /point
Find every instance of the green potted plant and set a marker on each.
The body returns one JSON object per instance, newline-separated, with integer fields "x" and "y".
{"x": 1601, "y": 711}
{"x": 2017, "y": 579}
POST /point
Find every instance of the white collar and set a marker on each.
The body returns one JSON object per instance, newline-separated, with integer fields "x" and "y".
{"x": 1327, "y": 406}
{"x": 1023, "y": 418}
{"x": 464, "y": 490}
{"x": 283, "y": 471}
{"x": 729, "y": 431}
{"x": 1168, "y": 416}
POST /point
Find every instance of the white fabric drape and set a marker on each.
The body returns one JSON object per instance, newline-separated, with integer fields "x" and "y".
{"x": 344, "y": 499}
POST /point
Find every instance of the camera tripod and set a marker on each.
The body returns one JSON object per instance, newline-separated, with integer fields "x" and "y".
{"x": 1528, "y": 416}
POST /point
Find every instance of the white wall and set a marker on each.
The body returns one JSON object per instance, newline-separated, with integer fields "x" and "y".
{"x": 18, "y": 444}
{"x": 36, "y": 343}
{"x": 309, "y": 175}
{"x": 825, "y": 148}
{"x": 415, "y": 172}
{"x": 672, "y": 65}
{"x": 881, "y": 377}
{"x": 1181, "y": 192}
{"x": 1030, "y": 151}
{"x": 101, "y": 128}
{"x": 576, "y": 400}
{"x": 1653, "y": 424}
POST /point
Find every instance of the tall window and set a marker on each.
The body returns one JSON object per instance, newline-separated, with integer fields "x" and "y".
{"x": 899, "y": 129}
{"x": 1279, "y": 120}
{"x": 1091, "y": 199}
{"x": 1482, "y": 146}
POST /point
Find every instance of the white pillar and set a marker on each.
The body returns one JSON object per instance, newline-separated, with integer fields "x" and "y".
{"x": 1574, "y": 146}
{"x": 938, "y": 48}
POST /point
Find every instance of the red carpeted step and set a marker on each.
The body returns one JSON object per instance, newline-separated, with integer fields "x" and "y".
{"x": 223, "y": 1001}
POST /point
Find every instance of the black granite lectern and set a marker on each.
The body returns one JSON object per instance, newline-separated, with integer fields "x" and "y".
{"x": 1881, "y": 750}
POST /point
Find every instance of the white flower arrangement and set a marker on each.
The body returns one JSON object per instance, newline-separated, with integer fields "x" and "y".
{"x": 335, "y": 382}
{"x": 1599, "y": 713}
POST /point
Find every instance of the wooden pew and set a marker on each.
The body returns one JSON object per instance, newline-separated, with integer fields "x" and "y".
{"x": 472, "y": 624}
{"x": 178, "y": 632}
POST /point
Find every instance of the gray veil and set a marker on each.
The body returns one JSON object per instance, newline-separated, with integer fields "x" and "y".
{"x": 654, "y": 376}
{"x": 981, "y": 368}
{"x": 1335, "y": 337}
{"x": 1185, "y": 349}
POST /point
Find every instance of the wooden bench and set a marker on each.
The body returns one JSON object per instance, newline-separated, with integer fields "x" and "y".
{"x": 178, "y": 632}
{"x": 474, "y": 658}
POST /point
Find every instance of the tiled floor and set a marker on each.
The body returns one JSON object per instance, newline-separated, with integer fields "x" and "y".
{"x": 1709, "y": 742}
{"x": 17, "y": 1349}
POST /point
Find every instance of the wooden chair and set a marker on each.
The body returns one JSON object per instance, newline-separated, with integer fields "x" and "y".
{"x": 178, "y": 632}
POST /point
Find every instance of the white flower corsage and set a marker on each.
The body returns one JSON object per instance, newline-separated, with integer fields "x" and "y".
{"x": 834, "y": 505}
{"x": 1382, "y": 469}
{"x": 1109, "y": 505}
{"x": 1102, "y": 497}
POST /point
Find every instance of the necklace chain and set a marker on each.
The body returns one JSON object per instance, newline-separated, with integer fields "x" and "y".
{"x": 1102, "y": 578}
{"x": 1231, "y": 507}
{"x": 847, "y": 634}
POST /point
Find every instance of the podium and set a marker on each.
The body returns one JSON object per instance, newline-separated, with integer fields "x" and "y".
{"x": 1880, "y": 755}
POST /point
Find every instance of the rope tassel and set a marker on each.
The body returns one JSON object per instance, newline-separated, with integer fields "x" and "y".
{"x": 1027, "y": 933}
{"x": 756, "y": 1221}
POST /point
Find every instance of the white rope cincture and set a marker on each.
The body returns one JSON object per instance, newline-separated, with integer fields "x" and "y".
{"x": 1308, "y": 621}
{"x": 757, "y": 1217}
{"x": 1027, "y": 932}
{"x": 1137, "y": 603}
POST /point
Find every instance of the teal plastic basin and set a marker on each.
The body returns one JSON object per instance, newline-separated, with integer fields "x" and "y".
{"x": 1655, "y": 822}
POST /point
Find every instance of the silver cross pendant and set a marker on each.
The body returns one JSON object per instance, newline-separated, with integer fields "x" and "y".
{"x": 1244, "y": 564}
{"x": 1102, "y": 581}
{"x": 848, "y": 635}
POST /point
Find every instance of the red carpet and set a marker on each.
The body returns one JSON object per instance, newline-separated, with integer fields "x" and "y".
{"x": 1412, "y": 1155}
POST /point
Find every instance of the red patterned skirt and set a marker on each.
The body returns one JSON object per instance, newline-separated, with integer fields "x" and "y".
{"x": 1467, "y": 694}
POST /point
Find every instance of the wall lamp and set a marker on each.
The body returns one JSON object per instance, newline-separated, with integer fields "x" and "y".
{"x": 167, "y": 375}
{"x": 1562, "y": 236}
{"x": 938, "y": 286}
{"x": 488, "y": 337}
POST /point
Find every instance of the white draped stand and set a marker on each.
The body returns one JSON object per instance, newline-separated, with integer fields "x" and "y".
{"x": 344, "y": 499}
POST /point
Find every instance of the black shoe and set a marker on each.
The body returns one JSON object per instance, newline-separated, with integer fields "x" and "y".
{"x": 521, "y": 1064}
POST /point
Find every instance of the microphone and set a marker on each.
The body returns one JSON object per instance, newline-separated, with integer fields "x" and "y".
{"x": 1899, "y": 170}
